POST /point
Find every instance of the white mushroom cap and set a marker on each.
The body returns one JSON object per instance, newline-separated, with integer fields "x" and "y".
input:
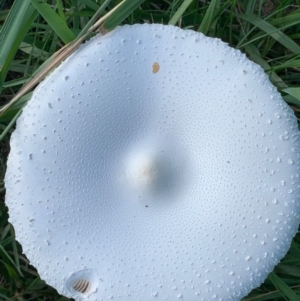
{"x": 155, "y": 162}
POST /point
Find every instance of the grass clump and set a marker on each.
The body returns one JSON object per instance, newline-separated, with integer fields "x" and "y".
{"x": 36, "y": 35}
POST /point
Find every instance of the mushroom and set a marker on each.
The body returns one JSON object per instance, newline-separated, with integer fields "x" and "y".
{"x": 155, "y": 162}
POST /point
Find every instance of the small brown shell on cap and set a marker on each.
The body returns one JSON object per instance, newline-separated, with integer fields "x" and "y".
{"x": 81, "y": 285}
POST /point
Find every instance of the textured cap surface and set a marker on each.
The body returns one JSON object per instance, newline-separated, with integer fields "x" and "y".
{"x": 155, "y": 163}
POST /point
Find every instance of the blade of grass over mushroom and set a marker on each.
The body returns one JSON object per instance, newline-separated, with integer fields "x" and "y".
{"x": 58, "y": 57}
{"x": 274, "y": 32}
{"x": 125, "y": 8}
{"x": 183, "y": 7}
{"x": 207, "y": 20}
{"x": 93, "y": 19}
{"x": 283, "y": 287}
{"x": 16, "y": 25}
{"x": 57, "y": 23}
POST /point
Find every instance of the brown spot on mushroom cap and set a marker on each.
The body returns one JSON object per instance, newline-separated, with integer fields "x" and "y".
{"x": 155, "y": 67}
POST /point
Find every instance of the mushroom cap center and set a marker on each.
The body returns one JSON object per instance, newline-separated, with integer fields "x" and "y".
{"x": 144, "y": 170}
{"x": 155, "y": 170}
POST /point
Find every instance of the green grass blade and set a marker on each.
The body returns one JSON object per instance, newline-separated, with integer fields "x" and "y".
{"x": 15, "y": 252}
{"x": 11, "y": 272}
{"x": 91, "y": 4}
{"x": 5, "y": 232}
{"x": 207, "y": 20}
{"x": 10, "y": 125}
{"x": 283, "y": 287}
{"x": 3, "y": 15}
{"x": 295, "y": 92}
{"x": 76, "y": 17}
{"x": 183, "y": 7}
{"x": 289, "y": 270}
{"x": 270, "y": 296}
{"x": 291, "y": 100}
{"x": 17, "y": 23}
{"x": 61, "y": 11}
{"x": 54, "y": 20}
{"x": 121, "y": 13}
{"x": 288, "y": 64}
{"x": 6, "y": 298}
{"x": 282, "y": 23}
{"x": 286, "y": 21}
{"x": 93, "y": 19}
{"x": 257, "y": 58}
{"x": 250, "y": 7}
{"x": 274, "y": 32}
{"x": 4, "y": 255}
{"x": 231, "y": 17}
